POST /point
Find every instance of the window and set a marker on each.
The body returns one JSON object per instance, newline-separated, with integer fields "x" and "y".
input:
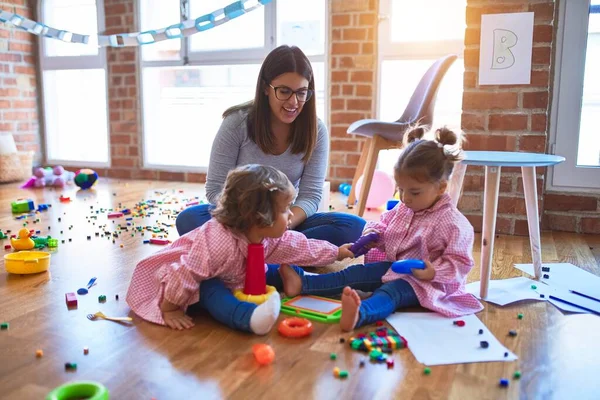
{"x": 74, "y": 86}
{"x": 407, "y": 48}
{"x": 187, "y": 83}
{"x": 575, "y": 119}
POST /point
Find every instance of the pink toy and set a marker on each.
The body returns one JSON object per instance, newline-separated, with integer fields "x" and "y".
{"x": 57, "y": 177}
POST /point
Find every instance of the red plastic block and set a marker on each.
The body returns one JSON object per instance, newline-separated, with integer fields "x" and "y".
{"x": 71, "y": 299}
{"x": 159, "y": 241}
{"x": 115, "y": 215}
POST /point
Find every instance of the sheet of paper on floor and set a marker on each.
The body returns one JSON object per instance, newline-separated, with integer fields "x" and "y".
{"x": 567, "y": 276}
{"x": 435, "y": 340}
{"x": 507, "y": 291}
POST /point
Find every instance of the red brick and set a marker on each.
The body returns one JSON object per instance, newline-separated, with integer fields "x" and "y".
{"x": 533, "y": 143}
{"x": 339, "y": 76}
{"x": 345, "y": 48}
{"x": 6, "y": 127}
{"x": 171, "y": 176}
{"x": 506, "y": 184}
{"x": 521, "y": 227}
{"x": 472, "y": 36}
{"x": 348, "y": 90}
{"x": 470, "y": 202}
{"x": 123, "y": 69}
{"x": 367, "y": 48}
{"x": 543, "y": 33}
{"x": 504, "y": 225}
{"x": 134, "y": 151}
{"x": 538, "y": 122}
{"x": 471, "y": 58}
{"x": 115, "y": 9}
{"x": 144, "y": 174}
{"x": 11, "y": 57}
{"x": 358, "y": 104}
{"x": 539, "y": 184}
{"x": 334, "y": 63}
{"x": 340, "y": 20}
{"x": 511, "y": 205}
{"x": 470, "y": 79}
{"x": 123, "y": 162}
{"x": 118, "y": 151}
{"x": 346, "y": 62}
{"x": 476, "y": 221}
{"x": 119, "y": 173}
{"x": 473, "y": 183}
{"x": 489, "y": 101}
{"x": 120, "y": 139}
{"x": 354, "y": 34}
{"x": 590, "y": 225}
{"x": 535, "y": 100}
{"x": 24, "y": 104}
{"x": 364, "y": 90}
{"x": 126, "y": 56}
{"x": 345, "y": 172}
{"x": 567, "y": 202}
{"x": 566, "y": 223}
{"x": 492, "y": 142}
{"x": 23, "y": 70}
{"x": 352, "y": 159}
{"x": 367, "y": 19}
{"x": 195, "y": 178}
{"x": 539, "y": 79}
{"x": 472, "y": 122}
{"x": 543, "y": 12}
{"x": 344, "y": 145}
{"x": 20, "y": 47}
{"x": 4, "y": 104}
{"x": 336, "y": 158}
{"x": 473, "y": 13}
{"x": 541, "y": 55}
{"x": 338, "y": 104}
{"x": 16, "y": 116}
{"x": 507, "y": 122}
{"x": 336, "y": 34}
{"x": 343, "y": 117}
{"x": 335, "y": 89}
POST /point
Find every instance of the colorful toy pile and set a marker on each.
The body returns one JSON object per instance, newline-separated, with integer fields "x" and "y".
{"x": 378, "y": 343}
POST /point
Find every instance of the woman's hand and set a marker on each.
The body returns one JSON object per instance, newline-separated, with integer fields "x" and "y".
{"x": 344, "y": 252}
{"x": 174, "y": 316}
{"x": 426, "y": 274}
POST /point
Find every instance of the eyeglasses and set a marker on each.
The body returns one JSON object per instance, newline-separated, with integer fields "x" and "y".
{"x": 285, "y": 93}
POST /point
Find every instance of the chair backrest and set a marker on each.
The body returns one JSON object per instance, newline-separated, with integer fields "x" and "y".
{"x": 422, "y": 103}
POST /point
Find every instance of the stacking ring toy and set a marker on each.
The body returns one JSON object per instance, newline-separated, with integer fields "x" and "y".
{"x": 254, "y": 298}
{"x": 79, "y": 390}
{"x": 295, "y": 327}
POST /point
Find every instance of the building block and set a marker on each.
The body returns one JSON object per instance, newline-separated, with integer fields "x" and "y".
{"x": 22, "y": 206}
{"x": 71, "y": 299}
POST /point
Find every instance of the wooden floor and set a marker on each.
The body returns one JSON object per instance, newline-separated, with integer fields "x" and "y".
{"x": 559, "y": 355}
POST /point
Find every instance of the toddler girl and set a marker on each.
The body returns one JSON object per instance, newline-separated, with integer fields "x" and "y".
{"x": 253, "y": 208}
{"x": 425, "y": 225}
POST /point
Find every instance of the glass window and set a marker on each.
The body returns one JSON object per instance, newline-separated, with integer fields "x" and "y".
{"x": 302, "y": 26}
{"x": 156, "y": 15}
{"x": 415, "y": 21}
{"x": 74, "y": 16}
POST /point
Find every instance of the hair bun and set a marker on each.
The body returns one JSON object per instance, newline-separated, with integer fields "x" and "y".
{"x": 446, "y": 136}
{"x": 414, "y": 133}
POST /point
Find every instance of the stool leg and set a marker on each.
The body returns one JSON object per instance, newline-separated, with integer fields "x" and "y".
{"x": 533, "y": 218}
{"x": 370, "y": 165}
{"x": 360, "y": 168}
{"x": 456, "y": 182}
{"x": 490, "y": 208}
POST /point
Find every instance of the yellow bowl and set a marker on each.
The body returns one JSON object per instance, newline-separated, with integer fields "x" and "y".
{"x": 27, "y": 262}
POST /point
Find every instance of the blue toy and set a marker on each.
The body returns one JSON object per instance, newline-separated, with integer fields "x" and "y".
{"x": 360, "y": 246}
{"x": 391, "y": 204}
{"x": 344, "y": 189}
{"x": 405, "y": 266}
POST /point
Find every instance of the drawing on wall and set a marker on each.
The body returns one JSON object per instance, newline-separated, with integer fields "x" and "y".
{"x": 506, "y": 45}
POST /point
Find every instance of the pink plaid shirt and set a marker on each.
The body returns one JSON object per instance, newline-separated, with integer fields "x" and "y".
{"x": 211, "y": 251}
{"x": 440, "y": 234}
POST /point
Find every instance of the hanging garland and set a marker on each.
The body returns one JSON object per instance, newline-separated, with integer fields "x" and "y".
{"x": 183, "y": 29}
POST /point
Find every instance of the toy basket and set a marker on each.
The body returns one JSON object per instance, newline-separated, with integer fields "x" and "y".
{"x": 16, "y": 166}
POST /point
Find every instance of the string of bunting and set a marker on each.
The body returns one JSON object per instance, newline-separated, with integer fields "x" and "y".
{"x": 183, "y": 29}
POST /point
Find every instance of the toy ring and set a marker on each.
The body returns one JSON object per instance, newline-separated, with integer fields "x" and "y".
{"x": 295, "y": 327}
{"x": 77, "y": 390}
{"x": 254, "y": 298}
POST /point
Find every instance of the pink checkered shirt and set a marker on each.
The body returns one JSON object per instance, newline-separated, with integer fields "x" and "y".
{"x": 207, "y": 252}
{"x": 440, "y": 234}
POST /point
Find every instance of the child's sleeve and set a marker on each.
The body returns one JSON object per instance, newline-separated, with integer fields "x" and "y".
{"x": 181, "y": 279}
{"x": 457, "y": 260}
{"x": 385, "y": 219}
{"x": 295, "y": 248}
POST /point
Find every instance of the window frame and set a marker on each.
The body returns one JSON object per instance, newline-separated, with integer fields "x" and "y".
{"x": 567, "y": 99}
{"x": 60, "y": 63}
{"x": 189, "y": 58}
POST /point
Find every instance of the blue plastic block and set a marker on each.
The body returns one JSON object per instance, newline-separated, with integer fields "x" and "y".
{"x": 391, "y": 204}
{"x": 404, "y": 266}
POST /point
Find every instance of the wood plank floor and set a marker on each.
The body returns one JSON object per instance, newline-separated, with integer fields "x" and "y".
{"x": 559, "y": 355}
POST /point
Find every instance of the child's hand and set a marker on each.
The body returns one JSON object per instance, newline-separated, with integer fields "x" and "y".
{"x": 370, "y": 230}
{"x": 174, "y": 316}
{"x": 426, "y": 274}
{"x": 344, "y": 252}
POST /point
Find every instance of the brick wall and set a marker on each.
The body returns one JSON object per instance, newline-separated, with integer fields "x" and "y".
{"x": 507, "y": 117}
{"x": 353, "y": 63}
{"x": 18, "y": 82}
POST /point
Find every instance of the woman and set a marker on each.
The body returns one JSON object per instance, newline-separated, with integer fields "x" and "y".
{"x": 279, "y": 128}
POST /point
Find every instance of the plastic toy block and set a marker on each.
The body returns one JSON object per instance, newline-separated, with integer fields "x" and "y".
{"x": 43, "y": 207}
{"x": 39, "y": 353}
{"x": 484, "y": 344}
{"x": 336, "y": 372}
{"x": 342, "y": 340}
{"x": 86, "y": 350}
{"x": 533, "y": 287}
{"x": 4, "y": 326}
{"x": 101, "y": 298}
{"x": 460, "y": 322}
{"x": 405, "y": 266}
{"x": 64, "y": 199}
{"x": 22, "y": 206}
{"x": 361, "y": 364}
{"x": 506, "y": 354}
{"x": 71, "y": 299}
{"x": 343, "y": 374}
{"x": 360, "y": 246}
{"x": 7, "y": 247}
{"x": 159, "y": 241}
{"x": 481, "y": 331}
{"x": 546, "y": 276}
{"x": 390, "y": 363}
{"x": 517, "y": 374}
{"x": 427, "y": 371}
{"x": 504, "y": 382}
{"x": 115, "y": 214}
{"x": 512, "y": 332}
{"x": 70, "y": 366}
{"x": 2, "y": 235}
{"x": 333, "y": 356}
{"x": 520, "y": 315}
{"x": 116, "y": 297}
{"x": 545, "y": 269}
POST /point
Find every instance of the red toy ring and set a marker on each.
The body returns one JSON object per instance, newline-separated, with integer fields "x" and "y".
{"x": 295, "y": 327}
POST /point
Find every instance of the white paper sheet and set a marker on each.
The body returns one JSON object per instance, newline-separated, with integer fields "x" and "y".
{"x": 507, "y": 291}
{"x": 506, "y": 45}
{"x": 567, "y": 276}
{"x": 435, "y": 340}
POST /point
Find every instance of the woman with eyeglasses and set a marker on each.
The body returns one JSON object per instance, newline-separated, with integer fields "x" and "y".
{"x": 279, "y": 128}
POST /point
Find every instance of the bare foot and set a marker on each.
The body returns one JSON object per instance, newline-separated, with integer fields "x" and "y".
{"x": 350, "y": 307}
{"x": 292, "y": 283}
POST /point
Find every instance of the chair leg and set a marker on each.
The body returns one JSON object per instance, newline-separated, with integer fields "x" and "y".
{"x": 360, "y": 168}
{"x": 490, "y": 209}
{"x": 533, "y": 219}
{"x": 370, "y": 165}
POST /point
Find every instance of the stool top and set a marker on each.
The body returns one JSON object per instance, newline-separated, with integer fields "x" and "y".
{"x": 510, "y": 159}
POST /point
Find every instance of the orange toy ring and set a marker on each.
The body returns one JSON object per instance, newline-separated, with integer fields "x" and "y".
{"x": 295, "y": 327}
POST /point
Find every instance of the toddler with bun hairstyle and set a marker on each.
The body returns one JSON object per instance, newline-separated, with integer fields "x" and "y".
{"x": 425, "y": 225}
{"x": 207, "y": 264}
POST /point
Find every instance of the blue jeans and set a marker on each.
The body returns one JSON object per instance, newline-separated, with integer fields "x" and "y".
{"x": 222, "y": 305}
{"x": 386, "y": 298}
{"x": 337, "y": 228}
